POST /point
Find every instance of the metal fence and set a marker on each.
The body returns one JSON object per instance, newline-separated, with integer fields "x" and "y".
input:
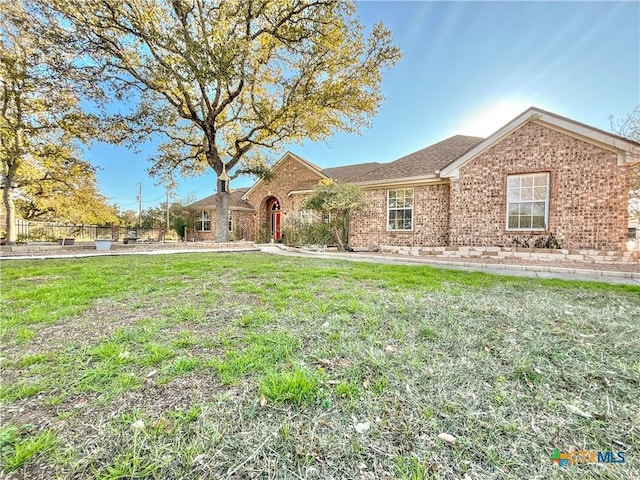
{"x": 28, "y": 231}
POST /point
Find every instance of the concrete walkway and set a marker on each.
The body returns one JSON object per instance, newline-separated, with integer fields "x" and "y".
{"x": 532, "y": 271}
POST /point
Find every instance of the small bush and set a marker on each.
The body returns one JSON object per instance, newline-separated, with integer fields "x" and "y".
{"x": 297, "y": 233}
{"x": 264, "y": 234}
{"x": 549, "y": 242}
{"x": 237, "y": 234}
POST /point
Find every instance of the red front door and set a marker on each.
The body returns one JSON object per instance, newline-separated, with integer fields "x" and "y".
{"x": 273, "y": 214}
{"x": 275, "y": 225}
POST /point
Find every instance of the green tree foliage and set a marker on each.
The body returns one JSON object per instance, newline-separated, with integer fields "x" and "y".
{"x": 629, "y": 127}
{"x": 156, "y": 217}
{"x": 153, "y": 217}
{"x": 337, "y": 200}
{"x": 128, "y": 218}
{"x": 179, "y": 217}
{"x": 41, "y": 123}
{"x": 226, "y": 82}
{"x": 62, "y": 190}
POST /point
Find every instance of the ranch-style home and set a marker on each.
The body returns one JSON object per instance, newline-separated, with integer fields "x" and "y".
{"x": 540, "y": 174}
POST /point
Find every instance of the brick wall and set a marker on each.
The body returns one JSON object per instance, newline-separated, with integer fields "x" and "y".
{"x": 368, "y": 228}
{"x": 243, "y": 223}
{"x": 288, "y": 174}
{"x": 588, "y": 191}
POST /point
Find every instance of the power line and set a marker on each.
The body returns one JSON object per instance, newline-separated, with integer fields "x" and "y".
{"x": 136, "y": 202}
{"x": 152, "y": 201}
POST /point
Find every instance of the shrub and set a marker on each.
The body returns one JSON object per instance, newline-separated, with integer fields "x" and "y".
{"x": 549, "y": 242}
{"x": 237, "y": 234}
{"x": 264, "y": 234}
{"x": 297, "y": 233}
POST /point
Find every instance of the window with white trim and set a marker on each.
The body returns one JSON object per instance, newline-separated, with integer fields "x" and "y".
{"x": 528, "y": 201}
{"x": 400, "y": 209}
{"x": 203, "y": 221}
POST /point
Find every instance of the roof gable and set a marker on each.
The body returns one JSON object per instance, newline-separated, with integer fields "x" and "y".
{"x": 288, "y": 155}
{"x": 628, "y": 151}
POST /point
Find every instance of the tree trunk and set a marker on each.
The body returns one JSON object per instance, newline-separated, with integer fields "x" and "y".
{"x": 10, "y": 209}
{"x": 222, "y": 215}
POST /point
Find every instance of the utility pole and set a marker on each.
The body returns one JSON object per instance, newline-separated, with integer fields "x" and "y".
{"x": 140, "y": 205}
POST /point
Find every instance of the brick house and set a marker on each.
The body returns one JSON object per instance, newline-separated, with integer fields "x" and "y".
{"x": 540, "y": 174}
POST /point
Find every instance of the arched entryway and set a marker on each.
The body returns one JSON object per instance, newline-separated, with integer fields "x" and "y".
{"x": 273, "y": 217}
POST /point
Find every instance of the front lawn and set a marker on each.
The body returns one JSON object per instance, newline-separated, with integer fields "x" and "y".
{"x": 254, "y": 366}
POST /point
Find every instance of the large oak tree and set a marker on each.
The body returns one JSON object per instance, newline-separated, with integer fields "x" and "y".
{"x": 227, "y": 82}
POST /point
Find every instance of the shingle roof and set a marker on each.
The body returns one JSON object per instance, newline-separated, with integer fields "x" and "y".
{"x": 349, "y": 172}
{"x": 235, "y": 201}
{"x": 423, "y": 162}
{"x": 345, "y": 173}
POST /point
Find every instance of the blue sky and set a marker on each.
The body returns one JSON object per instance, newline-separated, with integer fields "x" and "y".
{"x": 468, "y": 68}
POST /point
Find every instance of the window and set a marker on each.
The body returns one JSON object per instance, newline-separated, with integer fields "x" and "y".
{"x": 230, "y": 220}
{"x": 400, "y": 209}
{"x": 203, "y": 221}
{"x": 305, "y": 217}
{"x": 528, "y": 201}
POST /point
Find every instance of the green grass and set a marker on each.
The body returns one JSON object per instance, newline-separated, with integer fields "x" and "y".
{"x": 251, "y": 365}
{"x": 260, "y": 352}
{"x": 19, "y": 447}
{"x": 410, "y": 468}
{"x": 295, "y": 385}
